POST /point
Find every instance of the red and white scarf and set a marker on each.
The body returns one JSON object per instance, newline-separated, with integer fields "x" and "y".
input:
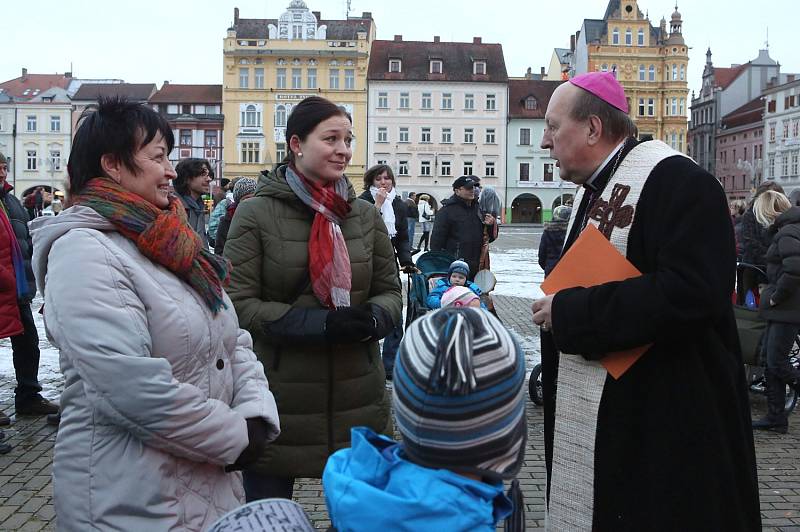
{"x": 328, "y": 259}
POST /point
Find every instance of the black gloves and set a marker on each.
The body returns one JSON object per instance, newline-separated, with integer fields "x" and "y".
{"x": 257, "y": 433}
{"x": 350, "y": 324}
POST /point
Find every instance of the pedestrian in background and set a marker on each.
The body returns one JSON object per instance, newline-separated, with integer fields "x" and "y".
{"x": 380, "y": 190}
{"x": 553, "y": 237}
{"x": 780, "y": 303}
{"x": 315, "y": 282}
{"x": 459, "y": 400}
{"x": 412, "y": 213}
{"x": 191, "y": 182}
{"x": 162, "y": 390}
{"x": 754, "y": 242}
{"x": 25, "y": 344}
{"x": 245, "y": 188}
{"x": 426, "y": 212}
{"x": 459, "y": 226}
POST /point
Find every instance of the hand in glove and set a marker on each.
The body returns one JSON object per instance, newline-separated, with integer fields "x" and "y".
{"x": 350, "y": 324}
{"x": 257, "y": 434}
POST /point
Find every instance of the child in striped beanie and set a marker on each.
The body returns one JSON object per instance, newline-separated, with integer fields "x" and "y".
{"x": 460, "y": 407}
{"x": 457, "y": 275}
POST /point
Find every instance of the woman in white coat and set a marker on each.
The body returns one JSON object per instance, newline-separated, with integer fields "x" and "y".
{"x": 163, "y": 395}
{"x": 426, "y": 215}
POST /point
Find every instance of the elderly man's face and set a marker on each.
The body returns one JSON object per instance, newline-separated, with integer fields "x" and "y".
{"x": 565, "y": 137}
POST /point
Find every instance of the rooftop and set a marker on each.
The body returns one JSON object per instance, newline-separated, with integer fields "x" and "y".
{"x": 185, "y": 94}
{"x": 519, "y": 90}
{"x": 91, "y": 92}
{"x": 750, "y": 113}
{"x": 28, "y": 86}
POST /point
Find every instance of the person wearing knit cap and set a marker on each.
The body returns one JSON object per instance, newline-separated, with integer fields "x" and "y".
{"x": 457, "y": 275}
{"x": 608, "y": 438}
{"x": 244, "y": 188}
{"x": 460, "y": 296}
{"x": 459, "y": 401}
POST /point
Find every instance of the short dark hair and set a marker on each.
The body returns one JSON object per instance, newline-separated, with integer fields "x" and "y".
{"x": 616, "y": 123}
{"x": 375, "y": 171}
{"x": 306, "y": 115}
{"x": 117, "y": 127}
{"x": 186, "y": 170}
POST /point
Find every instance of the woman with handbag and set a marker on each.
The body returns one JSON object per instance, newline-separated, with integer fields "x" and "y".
{"x": 780, "y": 302}
{"x": 426, "y": 216}
{"x": 314, "y": 280}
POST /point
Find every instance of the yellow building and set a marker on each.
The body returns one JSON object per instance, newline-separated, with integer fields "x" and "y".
{"x": 270, "y": 65}
{"x": 650, "y": 63}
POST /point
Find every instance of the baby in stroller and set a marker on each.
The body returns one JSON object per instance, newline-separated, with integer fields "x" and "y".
{"x": 456, "y": 276}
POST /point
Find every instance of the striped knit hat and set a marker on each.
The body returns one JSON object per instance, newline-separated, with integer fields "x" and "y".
{"x": 458, "y": 296}
{"x": 458, "y": 393}
{"x": 458, "y": 266}
{"x": 243, "y": 187}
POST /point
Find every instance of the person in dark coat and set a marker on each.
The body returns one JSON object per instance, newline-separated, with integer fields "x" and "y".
{"x": 459, "y": 226}
{"x": 780, "y": 303}
{"x": 379, "y": 190}
{"x": 411, "y": 216}
{"x": 25, "y": 346}
{"x": 191, "y": 182}
{"x": 754, "y": 242}
{"x": 244, "y": 188}
{"x": 668, "y": 444}
{"x": 553, "y": 239}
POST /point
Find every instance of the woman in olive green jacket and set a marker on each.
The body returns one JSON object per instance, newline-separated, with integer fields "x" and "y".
{"x": 315, "y": 282}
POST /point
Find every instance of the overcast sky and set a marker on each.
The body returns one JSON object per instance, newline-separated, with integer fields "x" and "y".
{"x": 181, "y": 40}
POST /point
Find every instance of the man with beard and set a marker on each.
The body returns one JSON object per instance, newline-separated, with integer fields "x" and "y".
{"x": 668, "y": 444}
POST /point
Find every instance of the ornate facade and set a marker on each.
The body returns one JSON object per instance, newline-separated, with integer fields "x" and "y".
{"x": 651, "y": 64}
{"x": 270, "y": 65}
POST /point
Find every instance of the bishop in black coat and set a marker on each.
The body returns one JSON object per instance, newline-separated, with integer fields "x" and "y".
{"x": 674, "y": 448}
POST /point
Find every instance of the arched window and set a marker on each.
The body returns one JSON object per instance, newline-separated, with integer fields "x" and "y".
{"x": 280, "y": 116}
{"x": 628, "y": 37}
{"x": 652, "y": 73}
{"x": 615, "y": 36}
{"x": 604, "y": 67}
{"x": 641, "y": 72}
{"x": 674, "y": 72}
{"x": 683, "y": 72}
{"x": 640, "y": 38}
{"x": 250, "y": 116}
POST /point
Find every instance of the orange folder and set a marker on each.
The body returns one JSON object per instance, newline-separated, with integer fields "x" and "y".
{"x": 593, "y": 260}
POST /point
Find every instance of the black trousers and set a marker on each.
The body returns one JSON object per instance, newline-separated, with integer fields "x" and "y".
{"x": 26, "y": 357}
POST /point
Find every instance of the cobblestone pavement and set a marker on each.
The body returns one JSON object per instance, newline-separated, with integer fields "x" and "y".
{"x": 26, "y": 489}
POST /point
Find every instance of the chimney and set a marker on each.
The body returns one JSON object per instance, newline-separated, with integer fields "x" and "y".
{"x": 166, "y": 82}
{"x": 541, "y": 71}
{"x": 435, "y": 38}
{"x": 317, "y": 14}
{"x": 235, "y": 16}
{"x": 366, "y": 14}
{"x": 529, "y": 74}
{"x": 24, "y": 72}
{"x": 572, "y": 43}
{"x": 476, "y": 40}
{"x": 67, "y": 74}
{"x": 398, "y": 38}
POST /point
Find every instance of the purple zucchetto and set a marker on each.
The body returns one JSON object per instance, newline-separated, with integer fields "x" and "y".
{"x": 605, "y": 86}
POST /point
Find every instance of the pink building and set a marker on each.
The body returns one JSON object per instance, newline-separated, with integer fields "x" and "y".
{"x": 740, "y": 149}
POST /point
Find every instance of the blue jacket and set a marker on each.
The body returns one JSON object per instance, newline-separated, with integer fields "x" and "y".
{"x": 443, "y": 285}
{"x": 371, "y": 486}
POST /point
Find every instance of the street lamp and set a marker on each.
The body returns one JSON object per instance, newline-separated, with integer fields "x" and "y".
{"x": 751, "y": 168}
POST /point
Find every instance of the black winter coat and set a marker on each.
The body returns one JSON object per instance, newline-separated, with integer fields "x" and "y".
{"x": 754, "y": 239}
{"x": 783, "y": 269}
{"x": 19, "y": 221}
{"x": 402, "y": 247}
{"x": 551, "y": 244}
{"x": 678, "y": 421}
{"x": 458, "y": 230}
{"x": 412, "y": 209}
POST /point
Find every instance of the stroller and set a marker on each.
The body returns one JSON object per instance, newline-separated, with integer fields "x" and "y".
{"x": 751, "y": 328}
{"x": 433, "y": 266}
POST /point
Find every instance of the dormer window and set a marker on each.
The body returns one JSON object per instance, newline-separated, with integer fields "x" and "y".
{"x": 479, "y": 67}
{"x": 436, "y": 66}
{"x": 530, "y": 103}
{"x": 395, "y": 65}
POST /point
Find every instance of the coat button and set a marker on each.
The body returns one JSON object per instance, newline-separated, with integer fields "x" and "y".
{"x": 220, "y": 363}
